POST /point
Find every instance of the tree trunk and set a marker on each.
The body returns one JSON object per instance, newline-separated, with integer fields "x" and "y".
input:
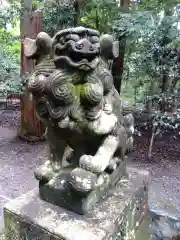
{"x": 151, "y": 144}
{"x": 31, "y": 129}
{"x": 77, "y": 13}
{"x": 118, "y": 64}
{"x": 166, "y": 83}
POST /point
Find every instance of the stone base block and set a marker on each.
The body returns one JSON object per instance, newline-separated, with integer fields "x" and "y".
{"x": 66, "y": 197}
{"x": 122, "y": 215}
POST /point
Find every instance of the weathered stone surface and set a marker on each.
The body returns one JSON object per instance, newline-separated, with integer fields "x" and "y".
{"x": 2, "y": 103}
{"x": 165, "y": 224}
{"x": 118, "y": 216}
{"x": 67, "y": 198}
{"x": 2, "y": 236}
{"x": 2, "y": 202}
{"x": 142, "y": 232}
{"x": 74, "y": 96}
{"x": 163, "y": 206}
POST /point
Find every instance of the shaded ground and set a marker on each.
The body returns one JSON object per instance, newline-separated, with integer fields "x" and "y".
{"x": 164, "y": 168}
{"x": 10, "y": 117}
{"x": 19, "y": 159}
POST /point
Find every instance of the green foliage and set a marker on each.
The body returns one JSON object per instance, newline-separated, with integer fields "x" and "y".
{"x": 10, "y": 14}
{"x": 158, "y": 5}
{"x": 9, "y": 68}
{"x": 100, "y": 14}
{"x": 165, "y": 122}
{"x": 168, "y": 98}
{"x": 167, "y": 114}
{"x": 151, "y": 46}
{"x": 55, "y": 16}
{"x": 151, "y": 37}
{"x": 152, "y": 54}
{"x": 9, "y": 53}
{"x": 96, "y": 14}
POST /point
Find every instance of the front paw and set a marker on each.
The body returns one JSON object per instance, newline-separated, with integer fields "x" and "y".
{"x": 46, "y": 172}
{"x": 82, "y": 180}
{"x": 96, "y": 164}
{"x": 104, "y": 124}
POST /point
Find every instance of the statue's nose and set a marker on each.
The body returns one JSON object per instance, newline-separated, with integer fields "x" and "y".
{"x": 84, "y": 46}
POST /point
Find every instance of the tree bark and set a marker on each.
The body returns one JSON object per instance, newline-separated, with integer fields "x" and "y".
{"x": 166, "y": 83}
{"x": 118, "y": 64}
{"x": 31, "y": 129}
{"x": 166, "y": 80}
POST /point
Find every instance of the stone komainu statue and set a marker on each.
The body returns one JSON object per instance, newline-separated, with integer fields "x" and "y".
{"x": 75, "y": 97}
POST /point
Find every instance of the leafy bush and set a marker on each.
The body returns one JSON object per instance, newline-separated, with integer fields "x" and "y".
{"x": 165, "y": 122}
{"x": 9, "y": 63}
{"x": 55, "y": 15}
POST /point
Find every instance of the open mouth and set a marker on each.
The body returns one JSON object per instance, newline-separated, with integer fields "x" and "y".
{"x": 76, "y": 59}
{"x": 77, "y": 56}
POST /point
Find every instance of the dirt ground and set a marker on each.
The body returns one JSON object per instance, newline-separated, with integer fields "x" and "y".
{"x": 164, "y": 168}
{"x": 19, "y": 159}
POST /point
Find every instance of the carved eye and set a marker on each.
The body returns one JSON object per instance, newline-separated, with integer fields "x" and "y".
{"x": 91, "y": 48}
{"x": 94, "y": 39}
{"x": 73, "y": 37}
{"x": 79, "y": 46}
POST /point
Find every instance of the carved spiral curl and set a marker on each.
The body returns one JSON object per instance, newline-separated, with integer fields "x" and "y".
{"x": 46, "y": 67}
{"x": 60, "y": 89}
{"x": 36, "y": 83}
{"x": 92, "y": 93}
{"x": 56, "y": 78}
{"x": 41, "y": 108}
{"x": 64, "y": 93}
{"x": 57, "y": 112}
{"x": 37, "y": 80}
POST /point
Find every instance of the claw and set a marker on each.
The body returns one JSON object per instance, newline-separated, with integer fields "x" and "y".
{"x": 96, "y": 164}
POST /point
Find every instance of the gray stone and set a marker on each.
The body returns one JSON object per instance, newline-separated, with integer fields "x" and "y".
{"x": 2, "y": 236}
{"x": 74, "y": 96}
{"x": 122, "y": 214}
{"x": 71, "y": 200}
{"x": 2, "y": 202}
{"x": 164, "y": 223}
{"x": 2, "y": 103}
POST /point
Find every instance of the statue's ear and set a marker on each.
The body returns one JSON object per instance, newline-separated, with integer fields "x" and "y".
{"x": 109, "y": 48}
{"x": 44, "y": 43}
{"x": 41, "y": 45}
{"x": 30, "y": 47}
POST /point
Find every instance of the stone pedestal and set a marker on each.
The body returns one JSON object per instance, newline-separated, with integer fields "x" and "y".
{"x": 60, "y": 193}
{"x": 121, "y": 215}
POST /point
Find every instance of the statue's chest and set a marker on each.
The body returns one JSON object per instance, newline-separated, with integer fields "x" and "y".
{"x": 87, "y": 89}
{"x": 79, "y": 86}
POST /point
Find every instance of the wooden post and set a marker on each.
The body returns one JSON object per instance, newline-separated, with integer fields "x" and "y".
{"x": 31, "y": 129}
